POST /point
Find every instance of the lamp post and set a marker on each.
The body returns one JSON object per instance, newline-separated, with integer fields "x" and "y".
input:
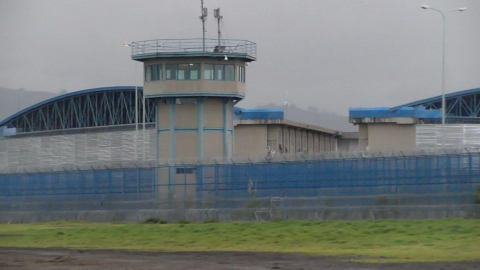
{"x": 136, "y": 109}
{"x": 444, "y": 14}
{"x": 136, "y": 92}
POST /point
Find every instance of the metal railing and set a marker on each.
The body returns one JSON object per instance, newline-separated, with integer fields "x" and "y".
{"x": 194, "y": 46}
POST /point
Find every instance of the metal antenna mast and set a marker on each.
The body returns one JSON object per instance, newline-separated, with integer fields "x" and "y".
{"x": 216, "y": 14}
{"x": 204, "y": 19}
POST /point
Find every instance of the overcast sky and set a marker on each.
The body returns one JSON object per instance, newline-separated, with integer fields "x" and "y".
{"x": 332, "y": 55}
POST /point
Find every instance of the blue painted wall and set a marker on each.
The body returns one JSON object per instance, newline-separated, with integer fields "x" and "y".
{"x": 254, "y": 114}
{"x": 407, "y": 112}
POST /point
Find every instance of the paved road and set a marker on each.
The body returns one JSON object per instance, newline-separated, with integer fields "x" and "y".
{"x": 122, "y": 260}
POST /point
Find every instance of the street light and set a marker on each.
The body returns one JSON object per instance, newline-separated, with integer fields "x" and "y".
{"x": 136, "y": 111}
{"x": 443, "y": 63}
{"x": 136, "y": 91}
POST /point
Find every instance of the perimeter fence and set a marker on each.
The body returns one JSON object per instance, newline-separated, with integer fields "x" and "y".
{"x": 258, "y": 185}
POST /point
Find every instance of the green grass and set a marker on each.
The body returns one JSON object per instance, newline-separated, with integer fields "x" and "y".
{"x": 379, "y": 241}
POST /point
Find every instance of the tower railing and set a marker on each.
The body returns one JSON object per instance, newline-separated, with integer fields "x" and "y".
{"x": 193, "y": 47}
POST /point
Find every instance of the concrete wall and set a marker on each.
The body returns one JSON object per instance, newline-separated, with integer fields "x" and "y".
{"x": 456, "y": 136}
{"x": 380, "y": 136}
{"x": 295, "y": 140}
{"x": 94, "y": 146}
{"x": 348, "y": 141}
{"x": 348, "y": 144}
{"x": 186, "y": 116}
{"x": 187, "y": 145}
{"x": 253, "y": 140}
{"x": 362, "y": 136}
{"x": 208, "y": 135}
{"x": 213, "y": 115}
{"x": 249, "y": 214}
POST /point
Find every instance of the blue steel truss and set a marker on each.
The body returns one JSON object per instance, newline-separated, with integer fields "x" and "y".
{"x": 462, "y": 106}
{"x": 99, "y": 107}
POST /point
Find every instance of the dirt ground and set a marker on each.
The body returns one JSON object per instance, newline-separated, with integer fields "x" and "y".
{"x": 122, "y": 260}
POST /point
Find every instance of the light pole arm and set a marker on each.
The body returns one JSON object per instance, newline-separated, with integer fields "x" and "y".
{"x": 444, "y": 106}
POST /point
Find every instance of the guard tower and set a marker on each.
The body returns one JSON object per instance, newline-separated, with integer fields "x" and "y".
{"x": 195, "y": 84}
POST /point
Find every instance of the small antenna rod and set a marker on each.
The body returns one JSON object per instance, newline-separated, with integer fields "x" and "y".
{"x": 204, "y": 19}
{"x": 285, "y": 94}
{"x": 216, "y": 14}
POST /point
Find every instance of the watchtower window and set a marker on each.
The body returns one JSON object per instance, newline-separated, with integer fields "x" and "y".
{"x": 183, "y": 71}
{"x": 229, "y": 73}
{"x": 153, "y": 73}
{"x": 241, "y": 74}
{"x": 219, "y": 72}
{"x": 208, "y": 73}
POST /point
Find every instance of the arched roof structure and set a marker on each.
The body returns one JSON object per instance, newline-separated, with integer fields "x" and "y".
{"x": 462, "y": 106}
{"x": 98, "y": 107}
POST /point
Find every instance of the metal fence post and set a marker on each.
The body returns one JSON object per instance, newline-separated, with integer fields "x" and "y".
{"x": 199, "y": 184}
{"x": 109, "y": 180}
{"x": 285, "y": 187}
{"x": 138, "y": 180}
{"x": 234, "y": 175}
{"x": 469, "y": 166}
{"x": 154, "y": 177}
{"x": 216, "y": 184}
{"x": 184, "y": 185}
{"x": 448, "y": 172}
{"x": 81, "y": 184}
{"x": 94, "y": 180}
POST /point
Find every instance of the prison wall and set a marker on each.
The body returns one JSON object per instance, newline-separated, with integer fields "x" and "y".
{"x": 54, "y": 150}
{"x": 456, "y": 135}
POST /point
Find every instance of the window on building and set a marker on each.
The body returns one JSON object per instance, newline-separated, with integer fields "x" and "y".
{"x": 186, "y": 170}
{"x": 153, "y": 73}
{"x": 148, "y": 73}
{"x": 219, "y": 72}
{"x": 241, "y": 73}
{"x": 183, "y": 71}
{"x": 229, "y": 73}
{"x": 209, "y": 73}
{"x": 194, "y": 71}
{"x": 171, "y": 72}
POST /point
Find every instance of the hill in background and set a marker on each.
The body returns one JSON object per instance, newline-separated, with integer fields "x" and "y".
{"x": 13, "y": 101}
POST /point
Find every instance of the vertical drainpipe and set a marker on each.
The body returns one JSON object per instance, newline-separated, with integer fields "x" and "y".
{"x": 200, "y": 128}
{"x": 225, "y": 128}
{"x": 233, "y": 131}
{"x": 336, "y": 144}
{"x": 172, "y": 130}
{"x": 172, "y": 171}
{"x": 157, "y": 149}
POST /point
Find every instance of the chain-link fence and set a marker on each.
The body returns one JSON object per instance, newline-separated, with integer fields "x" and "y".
{"x": 342, "y": 185}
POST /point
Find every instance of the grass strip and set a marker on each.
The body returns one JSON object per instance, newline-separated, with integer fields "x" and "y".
{"x": 379, "y": 241}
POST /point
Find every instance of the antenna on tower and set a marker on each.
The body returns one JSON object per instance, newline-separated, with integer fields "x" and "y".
{"x": 216, "y": 14}
{"x": 204, "y": 19}
{"x": 286, "y": 104}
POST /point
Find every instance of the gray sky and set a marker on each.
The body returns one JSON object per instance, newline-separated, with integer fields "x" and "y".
{"x": 329, "y": 54}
